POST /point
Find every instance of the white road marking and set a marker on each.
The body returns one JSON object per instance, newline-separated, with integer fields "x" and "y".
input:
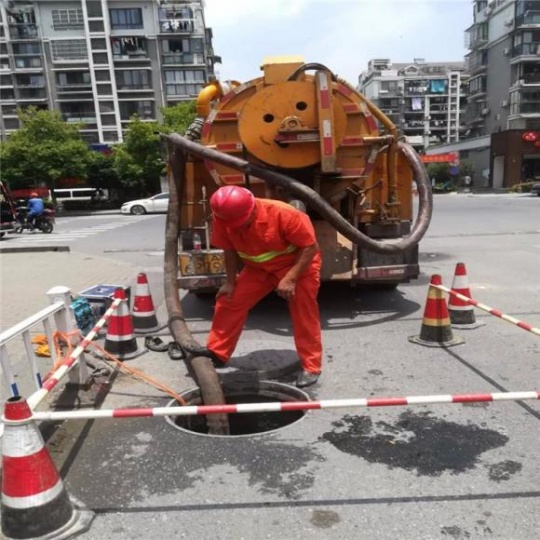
{"x": 64, "y": 237}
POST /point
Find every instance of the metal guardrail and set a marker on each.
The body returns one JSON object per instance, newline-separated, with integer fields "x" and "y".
{"x": 57, "y": 314}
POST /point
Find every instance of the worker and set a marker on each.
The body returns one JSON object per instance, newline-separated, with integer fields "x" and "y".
{"x": 276, "y": 245}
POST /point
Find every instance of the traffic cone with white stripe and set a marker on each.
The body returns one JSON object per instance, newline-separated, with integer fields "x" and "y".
{"x": 143, "y": 312}
{"x": 461, "y": 313}
{"x": 35, "y": 503}
{"x": 436, "y": 330}
{"x": 120, "y": 340}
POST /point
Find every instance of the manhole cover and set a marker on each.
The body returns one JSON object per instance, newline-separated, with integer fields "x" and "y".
{"x": 243, "y": 424}
{"x": 268, "y": 358}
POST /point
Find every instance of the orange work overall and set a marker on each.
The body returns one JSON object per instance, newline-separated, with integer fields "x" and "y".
{"x": 268, "y": 249}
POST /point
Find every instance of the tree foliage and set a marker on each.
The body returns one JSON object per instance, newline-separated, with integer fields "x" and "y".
{"x": 44, "y": 150}
{"x": 101, "y": 171}
{"x": 178, "y": 118}
{"x": 138, "y": 160}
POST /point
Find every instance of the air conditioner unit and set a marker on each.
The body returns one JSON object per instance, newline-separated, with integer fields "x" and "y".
{"x": 509, "y": 22}
{"x": 485, "y": 111}
{"x": 504, "y": 103}
{"x": 506, "y": 51}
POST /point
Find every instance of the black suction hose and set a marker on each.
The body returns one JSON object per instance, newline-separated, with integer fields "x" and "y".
{"x": 314, "y": 201}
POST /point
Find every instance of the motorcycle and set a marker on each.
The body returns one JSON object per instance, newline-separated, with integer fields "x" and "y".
{"x": 44, "y": 223}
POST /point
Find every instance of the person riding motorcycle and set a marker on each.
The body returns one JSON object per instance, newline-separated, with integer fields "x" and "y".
{"x": 35, "y": 208}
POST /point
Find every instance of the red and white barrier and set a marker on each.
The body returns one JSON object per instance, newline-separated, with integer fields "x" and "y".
{"x": 192, "y": 410}
{"x": 492, "y": 311}
{"x": 52, "y": 379}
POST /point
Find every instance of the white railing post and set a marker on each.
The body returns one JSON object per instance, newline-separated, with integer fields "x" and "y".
{"x": 66, "y": 323}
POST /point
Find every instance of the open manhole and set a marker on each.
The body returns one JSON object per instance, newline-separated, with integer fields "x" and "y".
{"x": 244, "y": 424}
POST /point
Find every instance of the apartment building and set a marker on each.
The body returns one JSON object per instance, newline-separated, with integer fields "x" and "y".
{"x": 503, "y": 113}
{"x": 424, "y": 99}
{"x": 101, "y": 61}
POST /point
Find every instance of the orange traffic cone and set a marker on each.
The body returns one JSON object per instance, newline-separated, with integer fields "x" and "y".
{"x": 436, "y": 330}
{"x": 120, "y": 340}
{"x": 143, "y": 313}
{"x": 461, "y": 313}
{"x": 34, "y": 501}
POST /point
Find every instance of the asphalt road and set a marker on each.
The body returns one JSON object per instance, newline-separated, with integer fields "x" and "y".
{"x": 431, "y": 471}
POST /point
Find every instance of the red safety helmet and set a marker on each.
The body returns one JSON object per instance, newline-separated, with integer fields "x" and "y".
{"x": 33, "y": 195}
{"x": 232, "y": 205}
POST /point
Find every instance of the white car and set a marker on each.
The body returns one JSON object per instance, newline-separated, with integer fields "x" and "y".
{"x": 157, "y": 203}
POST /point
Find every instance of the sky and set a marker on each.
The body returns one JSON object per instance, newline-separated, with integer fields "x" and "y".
{"x": 341, "y": 34}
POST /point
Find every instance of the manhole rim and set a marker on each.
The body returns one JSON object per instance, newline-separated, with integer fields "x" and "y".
{"x": 196, "y": 389}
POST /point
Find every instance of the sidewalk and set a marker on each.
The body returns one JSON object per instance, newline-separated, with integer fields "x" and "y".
{"x": 26, "y": 277}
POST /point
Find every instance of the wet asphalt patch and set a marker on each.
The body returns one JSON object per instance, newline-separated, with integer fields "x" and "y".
{"x": 418, "y": 442}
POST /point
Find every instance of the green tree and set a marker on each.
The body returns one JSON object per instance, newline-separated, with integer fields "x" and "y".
{"x": 178, "y": 118}
{"x": 138, "y": 161}
{"x": 101, "y": 171}
{"x": 43, "y": 151}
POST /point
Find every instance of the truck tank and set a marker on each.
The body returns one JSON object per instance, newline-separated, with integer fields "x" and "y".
{"x": 301, "y": 134}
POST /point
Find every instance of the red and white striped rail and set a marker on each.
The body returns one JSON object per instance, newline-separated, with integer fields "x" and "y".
{"x": 52, "y": 379}
{"x": 493, "y": 311}
{"x": 192, "y": 410}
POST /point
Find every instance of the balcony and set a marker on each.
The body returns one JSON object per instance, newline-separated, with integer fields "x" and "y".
{"x": 171, "y": 23}
{"x": 524, "y": 52}
{"x": 183, "y": 59}
{"x": 129, "y": 48}
{"x": 23, "y": 31}
{"x": 73, "y": 87}
{"x": 530, "y": 18}
{"x": 29, "y": 93}
{"x": 530, "y": 107}
{"x": 120, "y": 86}
{"x": 84, "y": 117}
{"x": 476, "y": 68}
{"x": 531, "y": 78}
{"x": 22, "y": 63}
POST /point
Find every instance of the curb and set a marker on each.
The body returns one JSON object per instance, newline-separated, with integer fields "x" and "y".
{"x": 33, "y": 249}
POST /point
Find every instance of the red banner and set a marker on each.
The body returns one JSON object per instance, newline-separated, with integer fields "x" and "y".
{"x": 449, "y": 157}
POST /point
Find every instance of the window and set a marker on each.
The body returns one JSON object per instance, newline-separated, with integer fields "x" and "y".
{"x": 389, "y": 86}
{"x": 137, "y": 78}
{"x": 126, "y": 18}
{"x": 94, "y": 8}
{"x": 106, "y": 106}
{"x": 26, "y": 48}
{"x": 21, "y": 63}
{"x": 186, "y": 82}
{"x": 143, "y": 109}
{"x": 128, "y": 47}
{"x": 69, "y": 49}
{"x": 67, "y": 19}
{"x": 33, "y": 81}
{"x": 69, "y": 78}
{"x": 98, "y": 44}
{"x": 102, "y": 75}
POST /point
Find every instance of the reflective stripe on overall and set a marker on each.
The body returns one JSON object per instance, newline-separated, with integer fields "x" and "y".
{"x": 268, "y": 256}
